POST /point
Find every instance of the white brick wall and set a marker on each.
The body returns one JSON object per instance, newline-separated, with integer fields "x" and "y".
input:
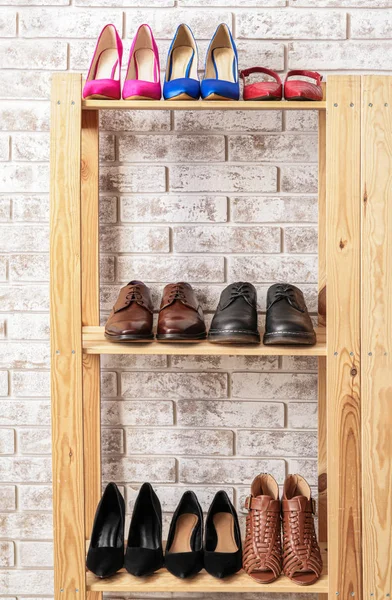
{"x": 201, "y": 196}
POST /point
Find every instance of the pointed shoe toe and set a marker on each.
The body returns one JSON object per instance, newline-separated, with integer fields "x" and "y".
{"x": 222, "y": 564}
{"x": 184, "y": 564}
{"x": 141, "y": 562}
{"x": 105, "y": 562}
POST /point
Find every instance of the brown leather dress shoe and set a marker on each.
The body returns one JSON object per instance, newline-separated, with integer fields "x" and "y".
{"x": 262, "y": 555}
{"x": 131, "y": 317}
{"x": 181, "y": 317}
{"x": 302, "y": 561}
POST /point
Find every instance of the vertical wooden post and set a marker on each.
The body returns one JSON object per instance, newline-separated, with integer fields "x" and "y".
{"x": 90, "y": 316}
{"x": 343, "y": 336}
{"x": 377, "y": 335}
{"x": 66, "y": 340}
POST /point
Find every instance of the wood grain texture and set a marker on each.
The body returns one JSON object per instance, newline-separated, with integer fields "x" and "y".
{"x": 66, "y": 342}
{"x": 200, "y": 105}
{"x": 94, "y": 342}
{"x": 322, "y": 239}
{"x": 90, "y": 316}
{"x": 343, "y": 334}
{"x": 377, "y": 335}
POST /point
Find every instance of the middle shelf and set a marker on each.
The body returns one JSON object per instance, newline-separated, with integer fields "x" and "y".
{"x": 94, "y": 342}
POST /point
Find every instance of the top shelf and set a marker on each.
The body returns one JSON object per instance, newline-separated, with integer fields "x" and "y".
{"x": 200, "y": 105}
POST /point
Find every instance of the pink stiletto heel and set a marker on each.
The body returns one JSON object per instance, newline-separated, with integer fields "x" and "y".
{"x": 142, "y": 79}
{"x": 103, "y": 79}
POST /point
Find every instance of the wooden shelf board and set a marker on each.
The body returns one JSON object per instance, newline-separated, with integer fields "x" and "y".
{"x": 94, "y": 342}
{"x": 200, "y": 105}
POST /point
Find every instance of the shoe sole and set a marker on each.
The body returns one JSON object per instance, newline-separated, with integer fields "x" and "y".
{"x": 234, "y": 337}
{"x": 181, "y": 97}
{"x": 264, "y": 99}
{"x": 138, "y": 98}
{"x": 180, "y": 337}
{"x": 100, "y": 97}
{"x": 301, "y": 99}
{"x": 289, "y": 339}
{"x": 129, "y": 338}
{"x": 217, "y": 97}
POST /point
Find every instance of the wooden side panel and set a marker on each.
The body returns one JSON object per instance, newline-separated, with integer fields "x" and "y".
{"x": 66, "y": 340}
{"x": 377, "y": 335}
{"x": 343, "y": 336}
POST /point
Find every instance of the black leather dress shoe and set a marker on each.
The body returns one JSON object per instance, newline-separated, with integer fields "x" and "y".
{"x": 287, "y": 320}
{"x": 144, "y": 553}
{"x": 235, "y": 320}
{"x": 106, "y": 552}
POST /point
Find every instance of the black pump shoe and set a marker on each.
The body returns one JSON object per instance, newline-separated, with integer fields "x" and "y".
{"x": 222, "y": 540}
{"x": 144, "y": 553}
{"x": 184, "y": 550}
{"x": 106, "y": 552}
{"x": 235, "y": 319}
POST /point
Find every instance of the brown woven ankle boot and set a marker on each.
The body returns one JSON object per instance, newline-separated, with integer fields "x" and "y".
{"x": 302, "y": 561}
{"x": 262, "y": 555}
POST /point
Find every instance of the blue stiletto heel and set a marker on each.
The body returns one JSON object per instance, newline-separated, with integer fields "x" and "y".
{"x": 181, "y": 80}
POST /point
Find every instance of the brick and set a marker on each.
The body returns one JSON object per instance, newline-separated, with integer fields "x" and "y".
{"x": 3, "y": 323}
{"x": 24, "y": 116}
{"x": 281, "y": 386}
{"x": 23, "y": 237}
{"x": 302, "y": 120}
{"x": 180, "y": 441}
{"x": 173, "y": 385}
{"x": 252, "y": 52}
{"x": 108, "y": 383}
{"x": 373, "y": 24}
{"x": 28, "y": 412}
{"x": 170, "y": 268}
{"x": 237, "y": 3}
{"x": 108, "y": 209}
{"x": 34, "y": 441}
{"x": 33, "y": 55}
{"x": 51, "y": 23}
{"x": 174, "y": 209}
{"x": 137, "y": 413}
{"x": 7, "y": 23}
{"x": 163, "y": 21}
{"x": 125, "y": 3}
{"x": 223, "y": 178}
{"x": 276, "y": 443}
{"x": 3, "y": 268}
{"x": 127, "y": 179}
{"x": 343, "y": 3}
{"x": 160, "y": 470}
{"x": 18, "y": 581}
{"x": 210, "y": 413}
{"x": 300, "y": 240}
{"x": 107, "y": 268}
{"x": 35, "y": 497}
{"x": 35, "y": 2}
{"x": 112, "y": 441}
{"x": 170, "y": 496}
{"x": 228, "y": 471}
{"x": 30, "y": 297}
{"x": 140, "y": 361}
{"x": 30, "y": 208}
{"x": 19, "y": 355}
{"x": 5, "y": 209}
{"x": 30, "y": 383}
{"x": 286, "y": 24}
{"x": 282, "y": 148}
{"x": 274, "y": 209}
{"x": 134, "y": 239}
{"x": 7, "y": 442}
{"x": 17, "y": 469}
{"x": 171, "y": 148}
{"x": 299, "y": 179}
{"x": 306, "y": 467}
{"x": 7, "y": 497}
{"x": 7, "y": 554}
{"x": 30, "y": 146}
{"x": 24, "y": 177}
{"x": 29, "y": 267}
{"x": 251, "y": 363}
{"x": 36, "y": 554}
{"x": 228, "y": 121}
{"x": 129, "y": 120}
{"x": 302, "y": 415}
{"x": 364, "y": 55}
{"x": 273, "y": 268}
{"x": 300, "y": 363}
{"x": 107, "y": 150}
{"x": 226, "y": 239}
{"x": 4, "y": 147}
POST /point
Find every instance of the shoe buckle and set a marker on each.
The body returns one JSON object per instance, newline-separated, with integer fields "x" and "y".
{"x": 313, "y": 506}
{"x": 248, "y": 502}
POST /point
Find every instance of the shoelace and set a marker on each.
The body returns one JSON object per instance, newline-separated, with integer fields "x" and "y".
{"x": 177, "y": 293}
{"x": 285, "y": 292}
{"x": 242, "y": 291}
{"x": 134, "y": 293}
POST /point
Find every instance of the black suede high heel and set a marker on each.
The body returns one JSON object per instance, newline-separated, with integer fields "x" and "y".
{"x": 106, "y": 552}
{"x": 222, "y": 545}
{"x": 184, "y": 550}
{"x": 144, "y": 553}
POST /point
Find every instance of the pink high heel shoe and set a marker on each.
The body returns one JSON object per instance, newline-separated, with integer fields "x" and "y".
{"x": 103, "y": 79}
{"x": 142, "y": 79}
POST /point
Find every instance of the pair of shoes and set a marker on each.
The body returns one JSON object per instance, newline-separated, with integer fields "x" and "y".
{"x": 144, "y": 554}
{"x": 263, "y": 558}
{"x": 221, "y": 555}
{"x": 220, "y": 80}
{"x": 287, "y": 318}
{"x": 297, "y": 89}
{"x": 142, "y": 76}
{"x": 180, "y": 315}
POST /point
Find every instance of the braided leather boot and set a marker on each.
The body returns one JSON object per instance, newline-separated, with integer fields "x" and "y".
{"x": 302, "y": 561}
{"x": 262, "y": 555}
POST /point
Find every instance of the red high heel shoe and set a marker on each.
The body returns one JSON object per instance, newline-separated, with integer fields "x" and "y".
{"x": 298, "y": 89}
{"x": 262, "y": 90}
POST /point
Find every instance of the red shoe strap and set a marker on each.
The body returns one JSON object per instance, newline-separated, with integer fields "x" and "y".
{"x": 246, "y": 72}
{"x": 304, "y": 73}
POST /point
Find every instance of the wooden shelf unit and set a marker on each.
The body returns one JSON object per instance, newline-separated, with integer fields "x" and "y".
{"x": 355, "y": 419}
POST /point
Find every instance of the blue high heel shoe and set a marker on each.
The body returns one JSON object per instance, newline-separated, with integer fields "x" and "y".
{"x": 221, "y": 73}
{"x": 181, "y": 80}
